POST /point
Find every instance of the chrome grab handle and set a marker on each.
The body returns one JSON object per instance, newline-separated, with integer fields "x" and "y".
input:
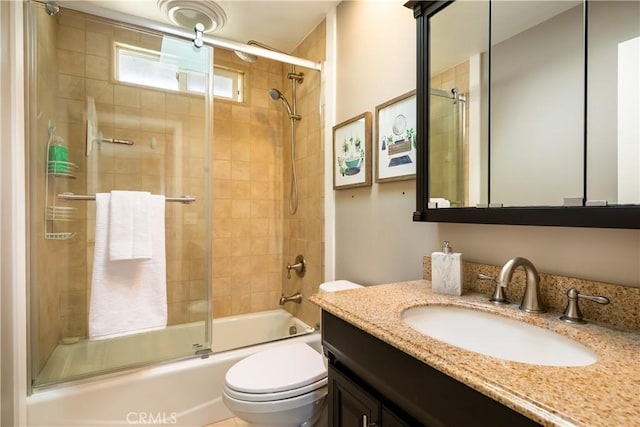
{"x": 499, "y": 296}
{"x": 365, "y": 421}
{"x": 572, "y": 313}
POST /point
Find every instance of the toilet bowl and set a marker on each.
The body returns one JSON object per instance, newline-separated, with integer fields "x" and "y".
{"x": 285, "y": 386}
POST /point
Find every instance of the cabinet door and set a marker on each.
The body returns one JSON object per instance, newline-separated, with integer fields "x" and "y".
{"x": 389, "y": 419}
{"x": 350, "y": 405}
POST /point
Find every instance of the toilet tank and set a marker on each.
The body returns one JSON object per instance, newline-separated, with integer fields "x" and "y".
{"x": 338, "y": 285}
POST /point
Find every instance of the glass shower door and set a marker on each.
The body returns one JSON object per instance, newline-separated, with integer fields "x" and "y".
{"x": 116, "y": 109}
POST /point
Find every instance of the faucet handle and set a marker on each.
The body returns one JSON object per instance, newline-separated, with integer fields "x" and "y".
{"x": 572, "y": 313}
{"x": 498, "y": 295}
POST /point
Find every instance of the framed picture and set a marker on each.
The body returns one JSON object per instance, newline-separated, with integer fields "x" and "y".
{"x": 352, "y": 152}
{"x": 396, "y": 139}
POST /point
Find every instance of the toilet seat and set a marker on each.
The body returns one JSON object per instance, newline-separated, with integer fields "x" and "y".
{"x": 278, "y": 373}
{"x": 267, "y": 397}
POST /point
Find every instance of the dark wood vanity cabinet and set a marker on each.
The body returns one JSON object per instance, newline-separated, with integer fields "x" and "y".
{"x": 372, "y": 383}
{"x": 352, "y": 404}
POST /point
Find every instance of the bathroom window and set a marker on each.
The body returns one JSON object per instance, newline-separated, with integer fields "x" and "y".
{"x": 228, "y": 84}
{"x": 148, "y": 68}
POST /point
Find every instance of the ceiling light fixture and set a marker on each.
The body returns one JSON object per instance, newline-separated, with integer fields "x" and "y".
{"x": 187, "y": 13}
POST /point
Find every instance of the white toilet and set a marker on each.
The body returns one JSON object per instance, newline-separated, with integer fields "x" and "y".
{"x": 285, "y": 386}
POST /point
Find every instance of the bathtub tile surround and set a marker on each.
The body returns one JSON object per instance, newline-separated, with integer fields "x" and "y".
{"x": 621, "y": 312}
{"x": 247, "y": 193}
{"x": 601, "y": 394}
{"x": 303, "y": 233}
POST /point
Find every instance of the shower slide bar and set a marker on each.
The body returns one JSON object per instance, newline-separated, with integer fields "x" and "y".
{"x": 71, "y": 196}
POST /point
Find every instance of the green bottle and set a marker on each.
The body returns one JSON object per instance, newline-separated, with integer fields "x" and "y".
{"x": 58, "y": 156}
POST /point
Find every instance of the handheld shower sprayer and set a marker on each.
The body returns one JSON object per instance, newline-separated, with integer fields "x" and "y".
{"x": 276, "y": 95}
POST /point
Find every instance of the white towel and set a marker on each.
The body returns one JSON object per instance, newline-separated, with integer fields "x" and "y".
{"x": 129, "y": 225}
{"x": 127, "y": 296}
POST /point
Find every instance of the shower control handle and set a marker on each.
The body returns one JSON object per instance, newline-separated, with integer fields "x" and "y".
{"x": 299, "y": 266}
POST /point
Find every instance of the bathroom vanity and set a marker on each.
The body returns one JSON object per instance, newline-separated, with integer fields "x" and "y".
{"x": 373, "y": 383}
{"x": 384, "y": 373}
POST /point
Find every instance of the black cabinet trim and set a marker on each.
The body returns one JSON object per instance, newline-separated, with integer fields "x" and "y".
{"x": 627, "y": 217}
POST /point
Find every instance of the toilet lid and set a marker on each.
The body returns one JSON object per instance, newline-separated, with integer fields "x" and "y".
{"x": 278, "y": 369}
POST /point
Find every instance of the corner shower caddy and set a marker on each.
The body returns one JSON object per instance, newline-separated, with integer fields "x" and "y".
{"x": 53, "y": 212}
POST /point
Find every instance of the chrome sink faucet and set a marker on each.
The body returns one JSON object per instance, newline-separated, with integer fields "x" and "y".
{"x": 531, "y": 302}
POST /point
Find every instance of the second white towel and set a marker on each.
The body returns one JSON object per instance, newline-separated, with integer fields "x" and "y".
{"x": 129, "y": 225}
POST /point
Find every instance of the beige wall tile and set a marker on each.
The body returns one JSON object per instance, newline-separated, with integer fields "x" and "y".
{"x": 71, "y": 38}
{"x": 98, "y": 44}
{"x": 97, "y": 67}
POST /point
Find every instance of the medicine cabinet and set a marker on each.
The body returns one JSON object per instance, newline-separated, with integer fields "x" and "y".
{"x": 528, "y": 112}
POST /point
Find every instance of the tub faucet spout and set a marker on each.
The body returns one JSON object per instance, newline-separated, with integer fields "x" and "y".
{"x": 531, "y": 302}
{"x": 297, "y": 298}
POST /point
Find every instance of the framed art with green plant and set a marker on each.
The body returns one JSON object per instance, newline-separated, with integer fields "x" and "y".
{"x": 352, "y": 152}
{"x": 396, "y": 148}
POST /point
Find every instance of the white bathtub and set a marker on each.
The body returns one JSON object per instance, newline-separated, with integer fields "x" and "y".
{"x": 184, "y": 393}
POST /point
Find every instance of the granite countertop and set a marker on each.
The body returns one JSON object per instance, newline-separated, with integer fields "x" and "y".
{"x": 605, "y": 393}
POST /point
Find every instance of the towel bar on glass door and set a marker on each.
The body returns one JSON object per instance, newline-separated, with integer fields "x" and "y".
{"x": 71, "y": 196}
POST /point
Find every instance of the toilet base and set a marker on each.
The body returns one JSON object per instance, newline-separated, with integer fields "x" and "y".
{"x": 258, "y": 414}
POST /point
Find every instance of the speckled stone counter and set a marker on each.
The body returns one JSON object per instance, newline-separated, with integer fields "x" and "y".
{"x": 606, "y": 393}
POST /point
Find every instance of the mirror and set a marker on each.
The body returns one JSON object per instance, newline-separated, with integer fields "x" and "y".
{"x": 537, "y": 102}
{"x": 613, "y": 156}
{"x": 529, "y": 112}
{"x": 457, "y": 97}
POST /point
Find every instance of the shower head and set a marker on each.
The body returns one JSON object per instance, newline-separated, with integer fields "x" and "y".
{"x": 275, "y": 94}
{"x": 246, "y": 57}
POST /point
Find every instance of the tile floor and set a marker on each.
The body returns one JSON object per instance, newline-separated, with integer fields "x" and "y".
{"x": 231, "y": 422}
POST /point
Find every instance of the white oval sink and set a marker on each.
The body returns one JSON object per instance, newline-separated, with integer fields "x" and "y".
{"x": 497, "y": 336}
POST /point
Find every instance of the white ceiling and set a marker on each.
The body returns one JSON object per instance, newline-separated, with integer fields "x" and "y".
{"x": 279, "y": 24}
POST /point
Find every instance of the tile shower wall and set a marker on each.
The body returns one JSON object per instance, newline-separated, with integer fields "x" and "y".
{"x": 304, "y": 231}
{"x": 247, "y": 192}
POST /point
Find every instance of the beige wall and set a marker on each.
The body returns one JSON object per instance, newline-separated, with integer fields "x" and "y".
{"x": 376, "y": 241}
{"x": 304, "y": 232}
{"x": 369, "y": 249}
